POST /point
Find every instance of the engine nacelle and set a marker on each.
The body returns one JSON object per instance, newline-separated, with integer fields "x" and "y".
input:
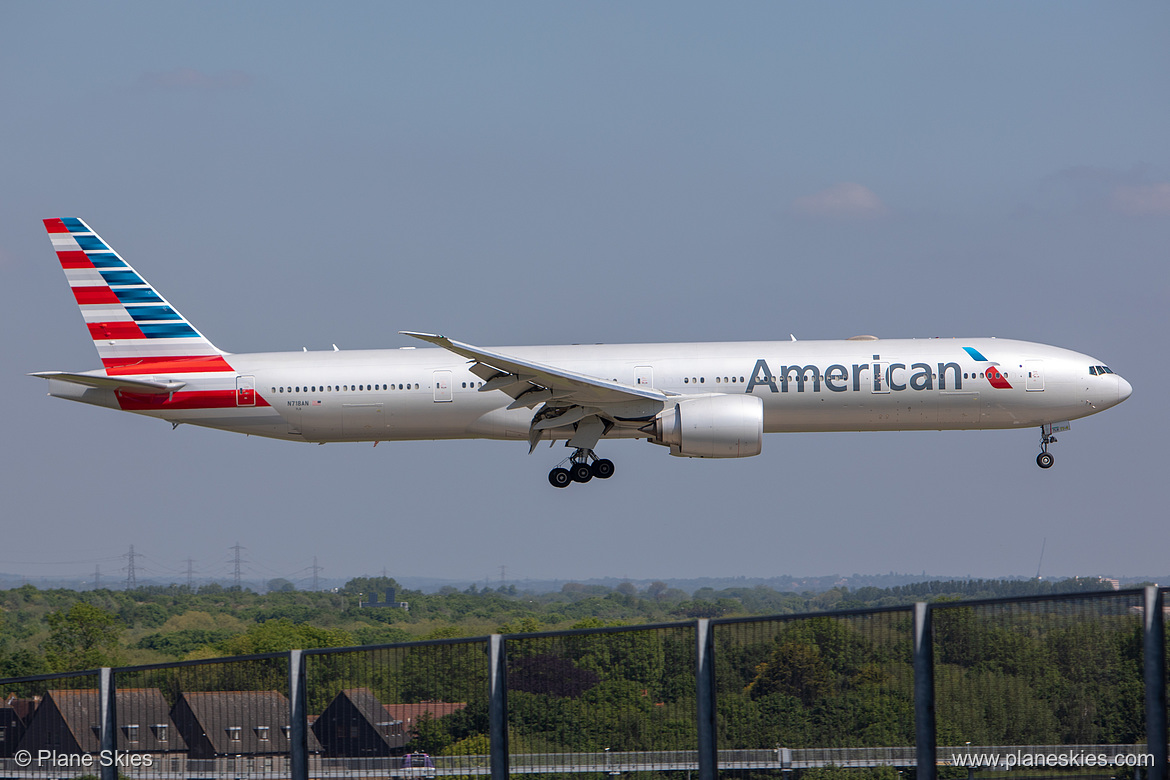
{"x": 712, "y": 426}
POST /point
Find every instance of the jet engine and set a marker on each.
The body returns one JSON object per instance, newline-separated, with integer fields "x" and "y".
{"x": 711, "y": 426}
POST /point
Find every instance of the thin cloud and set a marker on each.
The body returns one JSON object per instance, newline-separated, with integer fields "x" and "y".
{"x": 1140, "y": 191}
{"x": 1141, "y": 199}
{"x": 192, "y": 79}
{"x": 847, "y": 200}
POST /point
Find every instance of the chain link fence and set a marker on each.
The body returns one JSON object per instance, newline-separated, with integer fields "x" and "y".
{"x": 1045, "y": 671}
{"x": 875, "y": 690}
{"x": 827, "y": 682}
{"x": 601, "y": 700}
{"x": 398, "y": 711}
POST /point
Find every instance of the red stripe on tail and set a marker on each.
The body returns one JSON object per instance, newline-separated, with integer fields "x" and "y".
{"x": 95, "y": 294}
{"x": 74, "y": 259}
{"x": 166, "y": 365}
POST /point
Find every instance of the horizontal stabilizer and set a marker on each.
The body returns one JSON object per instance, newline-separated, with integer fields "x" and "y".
{"x": 112, "y": 382}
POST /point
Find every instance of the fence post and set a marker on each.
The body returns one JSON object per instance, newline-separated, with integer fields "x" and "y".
{"x": 108, "y": 713}
{"x": 298, "y": 737}
{"x": 498, "y": 707}
{"x": 705, "y": 699}
{"x": 1154, "y": 660}
{"x": 924, "y": 731}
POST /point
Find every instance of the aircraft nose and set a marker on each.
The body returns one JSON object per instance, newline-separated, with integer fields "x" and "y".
{"x": 1123, "y": 389}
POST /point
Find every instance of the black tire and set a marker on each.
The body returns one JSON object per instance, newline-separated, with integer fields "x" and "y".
{"x": 603, "y": 469}
{"x": 1045, "y": 460}
{"x": 581, "y": 472}
{"x": 559, "y": 478}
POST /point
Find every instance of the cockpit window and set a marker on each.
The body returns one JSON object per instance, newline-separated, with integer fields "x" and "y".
{"x": 1093, "y": 370}
{"x": 1100, "y": 370}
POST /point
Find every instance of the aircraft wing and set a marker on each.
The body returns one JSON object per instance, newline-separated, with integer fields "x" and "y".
{"x": 590, "y": 404}
{"x": 523, "y": 378}
{"x": 112, "y": 383}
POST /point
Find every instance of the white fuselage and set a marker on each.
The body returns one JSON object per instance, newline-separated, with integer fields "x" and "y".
{"x": 430, "y": 393}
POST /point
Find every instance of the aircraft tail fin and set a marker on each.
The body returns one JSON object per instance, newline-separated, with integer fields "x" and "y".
{"x": 130, "y": 323}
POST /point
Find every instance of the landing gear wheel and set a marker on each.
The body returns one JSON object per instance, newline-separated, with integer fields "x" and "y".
{"x": 559, "y": 478}
{"x": 581, "y": 472}
{"x": 1045, "y": 460}
{"x": 603, "y": 469}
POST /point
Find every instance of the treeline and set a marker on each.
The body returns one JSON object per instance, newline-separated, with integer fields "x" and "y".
{"x": 64, "y": 630}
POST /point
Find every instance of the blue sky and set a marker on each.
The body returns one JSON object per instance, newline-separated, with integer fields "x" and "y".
{"x": 298, "y": 174}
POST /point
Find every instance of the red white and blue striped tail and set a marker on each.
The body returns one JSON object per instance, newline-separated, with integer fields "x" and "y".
{"x": 133, "y": 327}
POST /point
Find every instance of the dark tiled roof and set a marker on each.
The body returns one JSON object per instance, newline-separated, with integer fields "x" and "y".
{"x": 229, "y": 723}
{"x": 356, "y": 723}
{"x": 410, "y": 713}
{"x": 71, "y": 719}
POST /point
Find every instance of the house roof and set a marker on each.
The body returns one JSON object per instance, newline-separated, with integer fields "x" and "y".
{"x": 80, "y": 714}
{"x": 393, "y": 724}
{"x": 410, "y": 713}
{"x": 242, "y": 722}
{"x": 375, "y": 712}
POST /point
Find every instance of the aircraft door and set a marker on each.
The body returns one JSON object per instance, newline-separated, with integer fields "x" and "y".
{"x": 1035, "y": 371}
{"x": 245, "y": 391}
{"x": 644, "y": 376}
{"x": 443, "y": 390}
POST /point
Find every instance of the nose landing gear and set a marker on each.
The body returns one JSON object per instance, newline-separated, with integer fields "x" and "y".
{"x": 582, "y": 466}
{"x": 1045, "y": 460}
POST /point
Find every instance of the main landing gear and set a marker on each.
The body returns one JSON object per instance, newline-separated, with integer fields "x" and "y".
{"x": 1045, "y": 460}
{"x": 582, "y": 466}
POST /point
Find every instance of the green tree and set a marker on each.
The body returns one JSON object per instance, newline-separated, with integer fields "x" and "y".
{"x": 82, "y": 637}
{"x": 273, "y": 636}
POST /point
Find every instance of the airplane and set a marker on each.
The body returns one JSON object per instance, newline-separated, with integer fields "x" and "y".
{"x": 700, "y": 400}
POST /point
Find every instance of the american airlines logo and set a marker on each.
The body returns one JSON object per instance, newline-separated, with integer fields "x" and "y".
{"x": 880, "y": 377}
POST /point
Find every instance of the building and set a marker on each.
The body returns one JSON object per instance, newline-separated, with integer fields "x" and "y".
{"x": 235, "y": 723}
{"x": 14, "y": 716}
{"x": 391, "y": 601}
{"x": 69, "y": 721}
{"x": 357, "y": 724}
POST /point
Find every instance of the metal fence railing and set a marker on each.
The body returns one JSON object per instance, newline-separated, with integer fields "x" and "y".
{"x": 605, "y": 692}
{"x": 826, "y": 681}
{"x": 909, "y": 687}
{"x": 1040, "y": 671}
